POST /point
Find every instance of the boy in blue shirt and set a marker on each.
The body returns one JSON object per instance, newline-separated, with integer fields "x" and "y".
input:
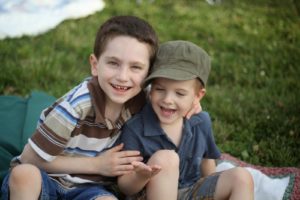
{"x": 179, "y": 154}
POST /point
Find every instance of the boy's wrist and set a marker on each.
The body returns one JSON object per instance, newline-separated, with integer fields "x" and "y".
{"x": 92, "y": 167}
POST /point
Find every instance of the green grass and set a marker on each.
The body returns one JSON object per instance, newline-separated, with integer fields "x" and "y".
{"x": 253, "y": 93}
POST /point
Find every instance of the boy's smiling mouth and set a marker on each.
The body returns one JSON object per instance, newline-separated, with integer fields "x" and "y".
{"x": 120, "y": 88}
{"x": 167, "y": 111}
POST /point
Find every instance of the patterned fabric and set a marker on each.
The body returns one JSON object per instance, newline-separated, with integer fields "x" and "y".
{"x": 75, "y": 126}
{"x": 292, "y": 191}
{"x": 204, "y": 189}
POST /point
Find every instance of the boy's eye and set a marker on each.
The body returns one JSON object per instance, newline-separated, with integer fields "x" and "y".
{"x": 136, "y": 67}
{"x": 180, "y": 94}
{"x": 112, "y": 63}
{"x": 158, "y": 89}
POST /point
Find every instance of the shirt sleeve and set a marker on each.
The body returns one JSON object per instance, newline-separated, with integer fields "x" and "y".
{"x": 131, "y": 135}
{"x": 57, "y": 123}
{"x": 212, "y": 150}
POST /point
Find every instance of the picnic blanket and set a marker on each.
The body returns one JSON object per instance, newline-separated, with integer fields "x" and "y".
{"x": 270, "y": 183}
{"x": 19, "y": 116}
{"x": 33, "y": 17}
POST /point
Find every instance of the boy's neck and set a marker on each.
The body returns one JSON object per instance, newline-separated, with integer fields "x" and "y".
{"x": 113, "y": 111}
{"x": 174, "y": 131}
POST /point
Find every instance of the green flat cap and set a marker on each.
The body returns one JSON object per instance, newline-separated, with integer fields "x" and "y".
{"x": 180, "y": 60}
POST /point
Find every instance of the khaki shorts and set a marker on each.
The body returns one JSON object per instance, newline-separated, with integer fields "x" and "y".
{"x": 203, "y": 189}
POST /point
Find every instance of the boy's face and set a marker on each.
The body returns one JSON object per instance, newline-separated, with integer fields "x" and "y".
{"x": 171, "y": 99}
{"x": 121, "y": 68}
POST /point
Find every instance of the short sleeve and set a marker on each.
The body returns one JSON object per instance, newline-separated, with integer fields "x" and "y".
{"x": 212, "y": 151}
{"x": 129, "y": 138}
{"x": 57, "y": 123}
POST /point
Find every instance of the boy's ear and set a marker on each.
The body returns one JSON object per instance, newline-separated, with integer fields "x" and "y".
{"x": 201, "y": 93}
{"x": 94, "y": 64}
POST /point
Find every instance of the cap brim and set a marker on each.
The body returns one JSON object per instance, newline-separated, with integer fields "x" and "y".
{"x": 170, "y": 73}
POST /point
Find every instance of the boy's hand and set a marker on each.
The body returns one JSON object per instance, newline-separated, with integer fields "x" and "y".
{"x": 115, "y": 162}
{"x": 146, "y": 171}
{"x": 194, "y": 110}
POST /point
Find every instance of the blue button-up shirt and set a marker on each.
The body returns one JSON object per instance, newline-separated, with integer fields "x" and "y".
{"x": 143, "y": 133}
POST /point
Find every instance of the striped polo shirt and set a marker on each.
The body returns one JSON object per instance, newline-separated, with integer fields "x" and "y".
{"x": 75, "y": 125}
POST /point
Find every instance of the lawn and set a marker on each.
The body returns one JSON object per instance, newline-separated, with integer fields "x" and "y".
{"x": 253, "y": 93}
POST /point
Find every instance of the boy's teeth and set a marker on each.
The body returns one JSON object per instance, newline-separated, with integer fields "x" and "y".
{"x": 168, "y": 110}
{"x": 120, "y": 87}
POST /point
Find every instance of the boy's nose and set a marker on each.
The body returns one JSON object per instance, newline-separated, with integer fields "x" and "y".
{"x": 167, "y": 98}
{"x": 123, "y": 74}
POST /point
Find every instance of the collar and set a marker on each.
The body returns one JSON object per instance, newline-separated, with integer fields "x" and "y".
{"x": 151, "y": 121}
{"x": 152, "y": 124}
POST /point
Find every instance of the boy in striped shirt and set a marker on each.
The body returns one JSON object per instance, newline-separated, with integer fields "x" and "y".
{"x": 70, "y": 155}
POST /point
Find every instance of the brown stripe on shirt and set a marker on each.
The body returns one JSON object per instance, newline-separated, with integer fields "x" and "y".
{"x": 91, "y": 130}
{"x": 46, "y": 144}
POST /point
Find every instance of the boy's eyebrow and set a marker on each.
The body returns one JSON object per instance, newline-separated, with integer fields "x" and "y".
{"x": 134, "y": 62}
{"x": 111, "y": 57}
{"x": 182, "y": 90}
{"x": 138, "y": 63}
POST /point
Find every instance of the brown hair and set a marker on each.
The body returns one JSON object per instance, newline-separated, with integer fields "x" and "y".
{"x": 198, "y": 84}
{"x": 126, "y": 26}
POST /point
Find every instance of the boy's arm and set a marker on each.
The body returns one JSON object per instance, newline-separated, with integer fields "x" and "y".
{"x": 113, "y": 162}
{"x": 134, "y": 181}
{"x": 208, "y": 166}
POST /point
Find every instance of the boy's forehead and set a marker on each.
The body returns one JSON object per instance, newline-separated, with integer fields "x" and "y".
{"x": 125, "y": 47}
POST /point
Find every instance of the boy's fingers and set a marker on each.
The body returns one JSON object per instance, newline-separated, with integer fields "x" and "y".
{"x": 135, "y": 163}
{"x": 123, "y": 154}
{"x": 124, "y": 169}
{"x": 130, "y": 159}
{"x": 140, "y": 165}
{"x": 194, "y": 110}
{"x": 129, "y": 153}
{"x": 190, "y": 113}
{"x": 117, "y": 148}
{"x": 120, "y": 173}
{"x": 155, "y": 168}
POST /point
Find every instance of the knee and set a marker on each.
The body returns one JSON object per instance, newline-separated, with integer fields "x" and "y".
{"x": 165, "y": 159}
{"x": 234, "y": 184}
{"x": 23, "y": 175}
{"x": 242, "y": 177}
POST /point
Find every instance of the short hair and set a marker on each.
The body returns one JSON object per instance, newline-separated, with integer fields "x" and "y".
{"x": 198, "y": 85}
{"x": 126, "y": 26}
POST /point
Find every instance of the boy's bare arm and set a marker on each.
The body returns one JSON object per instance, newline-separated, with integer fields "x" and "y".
{"x": 208, "y": 166}
{"x": 134, "y": 181}
{"x": 113, "y": 162}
